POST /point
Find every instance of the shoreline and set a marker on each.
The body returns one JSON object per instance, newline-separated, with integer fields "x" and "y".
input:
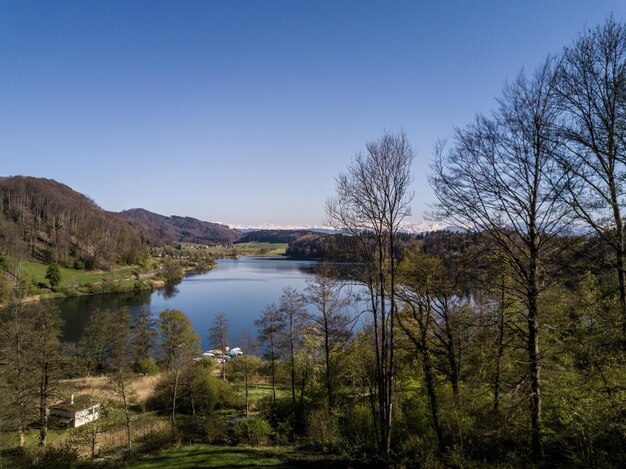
{"x": 146, "y": 282}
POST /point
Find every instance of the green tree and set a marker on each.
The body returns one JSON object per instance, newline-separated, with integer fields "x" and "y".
{"x": 144, "y": 339}
{"x": 180, "y": 344}
{"x": 53, "y": 276}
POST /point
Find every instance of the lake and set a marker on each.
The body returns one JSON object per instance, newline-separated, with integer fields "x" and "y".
{"x": 239, "y": 288}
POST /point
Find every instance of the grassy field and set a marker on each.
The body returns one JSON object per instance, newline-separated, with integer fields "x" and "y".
{"x": 72, "y": 278}
{"x": 201, "y": 455}
{"x": 252, "y": 249}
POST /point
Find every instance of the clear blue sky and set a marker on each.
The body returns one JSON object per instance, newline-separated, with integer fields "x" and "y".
{"x": 245, "y": 111}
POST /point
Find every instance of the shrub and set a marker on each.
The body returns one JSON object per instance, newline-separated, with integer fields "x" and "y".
{"x": 357, "y": 432}
{"x": 216, "y": 430}
{"x": 323, "y": 429}
{"x": 65, "y": 456}
{"x": 147, "y": 366}
{"x": 281, "y": 415}
{"x": 253, "y": 431}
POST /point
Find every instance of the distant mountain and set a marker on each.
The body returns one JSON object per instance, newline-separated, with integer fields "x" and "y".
{"x": 50, "y": 222}
{"x": 160, "y": 229}
{"x": 405, "y": 227}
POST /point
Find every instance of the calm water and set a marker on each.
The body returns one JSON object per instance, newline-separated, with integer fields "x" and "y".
{"x": 239, "y": 288}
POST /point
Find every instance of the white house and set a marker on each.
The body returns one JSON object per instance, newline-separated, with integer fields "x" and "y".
{"x": 75, "y": 412}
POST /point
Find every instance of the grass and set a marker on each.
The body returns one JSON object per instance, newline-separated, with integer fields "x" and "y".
{"x": 72, "y": 278}
{"x": 202, "y": 455}
{"x": 80, "y": 282}
{"x": 259, "y": 391}
{"x": 252, "y": 249}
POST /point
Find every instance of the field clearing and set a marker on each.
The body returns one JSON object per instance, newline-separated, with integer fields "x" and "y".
{"x": 257, "y": 392}
{"x": 251, "y": 249}
{"x": 139, "y": 389}
{"x": 72, "y": 277}
{"x": 202, "y": 455}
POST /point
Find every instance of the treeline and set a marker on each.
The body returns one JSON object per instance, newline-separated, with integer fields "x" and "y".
{"x": 48, "y": 221}
{"x": 336, "y": 247}
{"x": 273, "y": 236}
{"x": 159, "y": 230}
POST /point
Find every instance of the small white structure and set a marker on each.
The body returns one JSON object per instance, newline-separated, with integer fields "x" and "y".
{"x": 75, "y": 412}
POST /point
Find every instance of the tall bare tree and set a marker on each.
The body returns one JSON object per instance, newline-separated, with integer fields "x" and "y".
{"x": 46, "y": 360}
{"x": 296, "y": 317}
{"x": 371, "y": 201}
{"x": 499, "y": 179}
{"x": 218, "y": 337}
{"x": 332, "y": 323}
{"x": 16, "y": 344}
{"x": 270, "y": 326}
{"x": 120, "y": 363}
{"x": 592, "y": 85}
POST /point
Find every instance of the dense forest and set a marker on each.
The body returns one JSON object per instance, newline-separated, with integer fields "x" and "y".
{"x": 50, "y": 222}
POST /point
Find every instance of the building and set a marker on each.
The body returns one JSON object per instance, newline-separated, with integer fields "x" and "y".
{"x": 75, "y": 412}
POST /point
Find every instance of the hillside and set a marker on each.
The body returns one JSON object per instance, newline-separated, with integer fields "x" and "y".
{"x": 274, "y": 236}
{"x": 159, "y": 229}
{"x": 50, "y": 222}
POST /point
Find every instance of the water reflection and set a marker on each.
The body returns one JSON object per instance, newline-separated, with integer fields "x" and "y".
{"x": 239, "y": 288}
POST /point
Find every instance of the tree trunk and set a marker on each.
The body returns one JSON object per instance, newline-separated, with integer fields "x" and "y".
{"x": 174, "y": 395}
{"x": 533, "y": 362}
{"x": 122, "y": 386}
{"x": 500, "y": 348}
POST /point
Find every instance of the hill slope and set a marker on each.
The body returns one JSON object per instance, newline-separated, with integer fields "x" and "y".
{"x": 159, "y": 229}
{"x": 51, "y": 222}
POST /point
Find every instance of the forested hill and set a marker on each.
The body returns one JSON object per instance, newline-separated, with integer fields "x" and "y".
{"x": 274, "y": 236}
{"x": 160, "y": 229}
{"x": 51, "y": 222}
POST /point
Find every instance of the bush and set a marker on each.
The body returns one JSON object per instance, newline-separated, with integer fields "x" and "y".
{"x": 323, "y": 429}
{"x": 357, "y": 432}
{"x": 253, "y": 431}
{"x": 216, "y": 430}
{"x": 147, "y": 366}
{"x": 58, "y": 456}
{"x": 282, "y": 417}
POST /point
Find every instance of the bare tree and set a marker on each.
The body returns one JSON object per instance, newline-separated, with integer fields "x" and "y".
{"x": 246, "y": 365}
{"x": 271, "y": 325}
{"x": 46, "y": 359}
{"x": 120, "y": 363}
{"x": 371, "y": 201}
{"x": 143, "y": 338}
{"x": 498, "y": 179}
{"x": 333, "y": 324}
{"x": 296, "y": 317}
{"x": 218, "y": 337}
{"x": 420, "y": 275}
{"x": 592, "y": 85}
{"x": 16, "y": 344}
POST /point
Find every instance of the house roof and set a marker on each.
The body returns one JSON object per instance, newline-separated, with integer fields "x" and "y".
{"x": 81, "y": 402}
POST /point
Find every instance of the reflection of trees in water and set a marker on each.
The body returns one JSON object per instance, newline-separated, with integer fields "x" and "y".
{"x": 76, "y": 310}
{"x": 170, "y": 290}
